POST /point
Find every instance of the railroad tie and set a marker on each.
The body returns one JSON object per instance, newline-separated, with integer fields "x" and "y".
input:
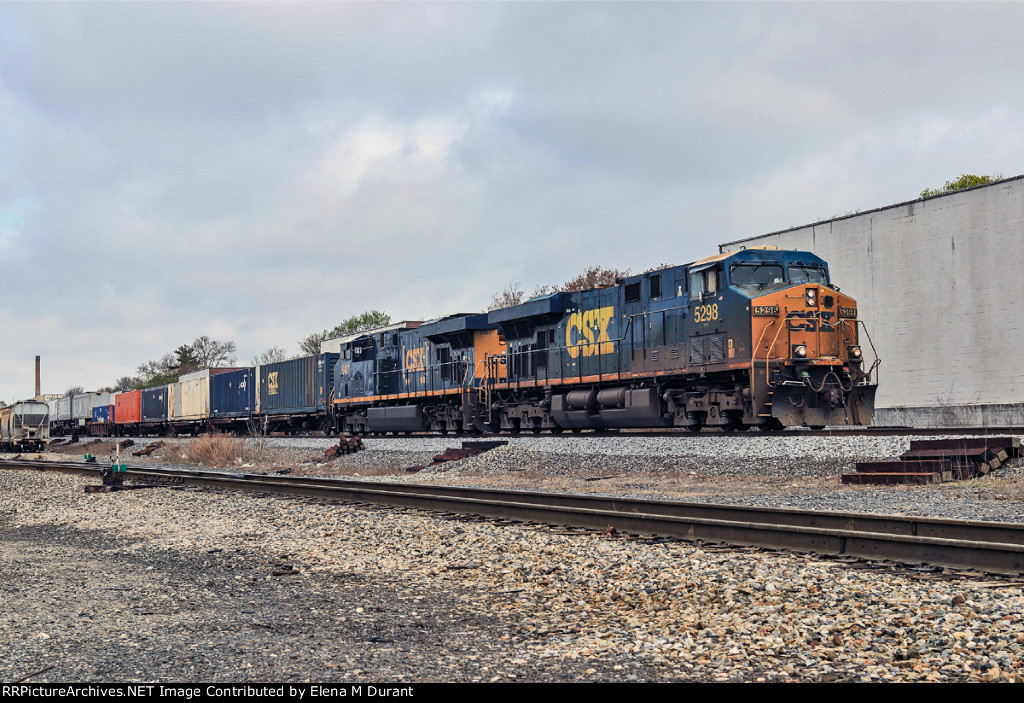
{"x": 937, "y": 461}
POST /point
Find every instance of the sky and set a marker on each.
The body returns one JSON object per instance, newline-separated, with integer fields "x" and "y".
{"x": 258, "y": 172}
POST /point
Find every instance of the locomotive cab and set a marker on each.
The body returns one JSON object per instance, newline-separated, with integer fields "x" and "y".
{"x": 807, "y": 364}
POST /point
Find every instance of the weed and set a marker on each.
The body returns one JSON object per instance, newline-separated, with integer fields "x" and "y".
{"x": 216, "y": 450}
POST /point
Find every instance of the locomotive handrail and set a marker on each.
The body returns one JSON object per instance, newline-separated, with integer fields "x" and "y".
{"x": 878, "y": 360}
{"x": 753, "y": 361}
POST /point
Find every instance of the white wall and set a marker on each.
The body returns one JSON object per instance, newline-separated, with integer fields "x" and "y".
{"x": 940, "y": 284}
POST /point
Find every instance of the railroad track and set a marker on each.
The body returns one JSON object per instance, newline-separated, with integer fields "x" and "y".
{"x": 655, "y": 432}
{"x": 985, "y": 546}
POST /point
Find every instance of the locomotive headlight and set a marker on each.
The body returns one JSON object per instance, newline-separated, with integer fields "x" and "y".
{"x": 856, "y": 354}
{"x": 811, "y": 297}
{"x": 799, "y": 351}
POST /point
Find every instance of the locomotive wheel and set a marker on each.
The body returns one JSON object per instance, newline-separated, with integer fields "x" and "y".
{"x": 733, "y": 421}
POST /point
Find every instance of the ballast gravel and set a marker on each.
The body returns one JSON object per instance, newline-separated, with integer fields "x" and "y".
{"x": 189, "y": 585}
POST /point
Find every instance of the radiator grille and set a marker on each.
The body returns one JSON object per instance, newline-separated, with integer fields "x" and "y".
{"x": 697, "y": 352}
{"x": 717, "y": 350}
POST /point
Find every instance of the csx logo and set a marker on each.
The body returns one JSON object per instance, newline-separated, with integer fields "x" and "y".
{"x": 587, "y": 332}
{"x": 272, "y": 383}
{"x": 416, "y": 359}
{"x": 810, "y": 318}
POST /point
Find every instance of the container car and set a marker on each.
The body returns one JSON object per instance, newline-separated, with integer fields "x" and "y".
{"x": 296, "y": 394}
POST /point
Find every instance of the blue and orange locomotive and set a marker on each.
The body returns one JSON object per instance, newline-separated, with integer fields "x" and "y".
{"x": 756, "y": 338}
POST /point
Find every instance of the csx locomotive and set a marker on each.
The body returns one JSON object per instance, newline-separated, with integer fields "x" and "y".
{"x": 756, "y": 338}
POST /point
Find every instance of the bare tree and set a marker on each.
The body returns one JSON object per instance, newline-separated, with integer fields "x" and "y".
{"x": 125, "y": 383}
{"x": 594, "y": 277}
{"x": 270, "y": 356}
{"x": 157, "y": 373}
{"x": 73, "y": 391}
{"x": 511, "y": 295}
{"x": 311, "y": 344}
{"x": 659, "y": 267}
{"x": 209, "y": 353}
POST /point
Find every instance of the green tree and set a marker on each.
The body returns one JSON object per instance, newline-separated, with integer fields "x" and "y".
{"x": 966, "y": 180}
{"x": 371, "y": 319}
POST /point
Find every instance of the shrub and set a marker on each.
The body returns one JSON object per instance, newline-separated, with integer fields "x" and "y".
{"x": 216, "y": 450}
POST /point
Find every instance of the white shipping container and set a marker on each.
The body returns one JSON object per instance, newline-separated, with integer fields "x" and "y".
{"x": 82, "y": 405}
{"x": 195, "y": 398}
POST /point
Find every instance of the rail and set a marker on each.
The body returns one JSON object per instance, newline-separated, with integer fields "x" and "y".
{"x": 985, "y": 546}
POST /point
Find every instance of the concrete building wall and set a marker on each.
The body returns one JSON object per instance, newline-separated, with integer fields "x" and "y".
{"x": 940, "y": 284}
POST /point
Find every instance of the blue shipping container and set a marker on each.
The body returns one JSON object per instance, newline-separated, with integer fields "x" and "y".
{"x": 154, "y": 404}
{"x": 301, "y": 385}
{"x": 233, "y": 394}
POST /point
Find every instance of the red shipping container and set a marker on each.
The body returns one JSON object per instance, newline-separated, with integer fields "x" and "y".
{"x": 126, "y": 407}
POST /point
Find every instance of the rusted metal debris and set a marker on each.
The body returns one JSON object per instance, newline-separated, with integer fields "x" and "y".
{"x": 469, "y": 448}
{"x": 150, "y": 449}
{"x": 938, "y": 460}
{"x": 346, "y": 445}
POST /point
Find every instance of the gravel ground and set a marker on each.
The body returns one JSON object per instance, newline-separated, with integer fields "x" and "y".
{"x": 172, "y": 585}
{"x": 798, "y": 472}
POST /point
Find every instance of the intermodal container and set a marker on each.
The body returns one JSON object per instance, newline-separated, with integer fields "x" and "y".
{"x": 126, "y": 407}
{"x": 83, "y": 404}
{"x": 64, "y": 409}
{"x": 194, "y": 396}
{"x": 300, "y": 385}
{"x": 154, "y": 404}
{"x": 233, "y": 394}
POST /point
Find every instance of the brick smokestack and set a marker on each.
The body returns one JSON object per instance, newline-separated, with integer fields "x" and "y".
{"x": 38, "y": 390}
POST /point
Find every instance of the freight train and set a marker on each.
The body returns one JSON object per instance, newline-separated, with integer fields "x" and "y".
{"x": 759, "y": 338}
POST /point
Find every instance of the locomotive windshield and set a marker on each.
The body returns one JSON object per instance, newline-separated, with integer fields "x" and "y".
{"x": 807, "y": 274}
{"x": 764, "y": 274}
{"x": 761, "y": 274}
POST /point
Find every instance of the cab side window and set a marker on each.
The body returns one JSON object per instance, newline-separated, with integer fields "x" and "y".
{"x": 705, "y": 282}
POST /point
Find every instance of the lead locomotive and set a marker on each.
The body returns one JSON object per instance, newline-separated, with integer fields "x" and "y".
{"x": 757, "y": 338}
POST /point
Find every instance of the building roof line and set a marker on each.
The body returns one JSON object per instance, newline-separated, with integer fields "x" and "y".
{"x": 722, "y": 246}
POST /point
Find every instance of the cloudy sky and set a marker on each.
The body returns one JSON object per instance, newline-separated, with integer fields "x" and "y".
{"x": 257, "y": 172}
